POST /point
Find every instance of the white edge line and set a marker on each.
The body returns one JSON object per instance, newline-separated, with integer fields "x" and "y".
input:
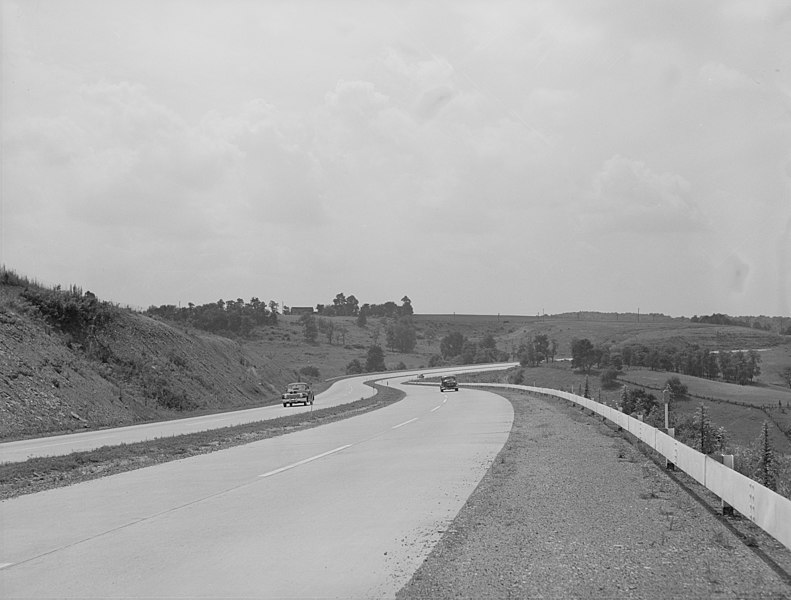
{"x": 307, "y": 460}
{"x": 4, "y": 565}
{"x": 404, "y": 423}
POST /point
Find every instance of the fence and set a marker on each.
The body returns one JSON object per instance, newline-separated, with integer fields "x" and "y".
{"x": 767, "y": 509}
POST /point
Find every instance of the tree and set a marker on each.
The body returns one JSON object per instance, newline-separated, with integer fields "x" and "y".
{"x": 375, "y": 359}
{"x": 766, "y": 470}
{"x": 327, "y": 327}
{"x": 406, "y": 306}
{"x": 582, "y": 354}
{"x": 542, "y": 347}
{"x": 401, "y": 335}
{"x": 468, "y": 351}
{"x": 706, "y": 437}
{"x": 786, "y": 376}
{"x": 310, "y": 329}
{"x": 527, "y": 354}
{"x": 451, "y": 345}
{"x": 362, "y": 316}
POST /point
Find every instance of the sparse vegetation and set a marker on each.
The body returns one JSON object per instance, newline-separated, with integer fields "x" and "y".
{"x": 310, "y": 371}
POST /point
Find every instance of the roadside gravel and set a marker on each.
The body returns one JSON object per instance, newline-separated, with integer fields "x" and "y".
{"x": 572, "y": 509}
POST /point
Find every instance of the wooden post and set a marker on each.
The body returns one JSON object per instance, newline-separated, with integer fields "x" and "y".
{"x": 671, "y": 431}
{"x": 727, "y": 509}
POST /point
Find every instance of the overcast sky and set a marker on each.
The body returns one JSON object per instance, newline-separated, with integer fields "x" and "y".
{"x": 479, "y": 157}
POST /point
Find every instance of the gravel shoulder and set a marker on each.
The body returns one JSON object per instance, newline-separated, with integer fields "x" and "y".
{"x": 572, "y": 508}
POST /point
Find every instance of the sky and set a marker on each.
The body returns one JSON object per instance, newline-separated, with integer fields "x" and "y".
{"x": 480, "y": 157}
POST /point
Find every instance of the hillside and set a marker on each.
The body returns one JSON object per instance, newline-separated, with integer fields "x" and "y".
{"x": 136, "y": 368}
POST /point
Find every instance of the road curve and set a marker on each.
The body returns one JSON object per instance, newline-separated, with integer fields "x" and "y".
{"x": 342, "y": 391}
{"x": 348, "y": 509}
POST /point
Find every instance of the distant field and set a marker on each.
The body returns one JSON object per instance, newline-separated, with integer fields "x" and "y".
{"x": 742, "y": 422}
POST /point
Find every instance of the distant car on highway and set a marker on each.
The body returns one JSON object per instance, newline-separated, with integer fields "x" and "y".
{"x": 298, "y": 393}
{"x": 448, "y": 382}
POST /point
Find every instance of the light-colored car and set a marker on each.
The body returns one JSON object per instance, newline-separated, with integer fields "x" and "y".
{"x": 298, "y": 393}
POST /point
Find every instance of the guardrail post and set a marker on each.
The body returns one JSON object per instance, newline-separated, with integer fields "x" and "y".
{"x": 669, "y": 465}
{"x": 727, "y": 509}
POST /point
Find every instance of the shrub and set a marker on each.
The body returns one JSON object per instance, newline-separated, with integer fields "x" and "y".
{"x": 309, "y": 371}
{"x": 637, "y": 401}
{"x": 517, "y": 377}
{"x": 677, "y": 389}
{"x": 72, "y": 312}
{"x": 435, "y": 360}
{"x": 354, "y": 367}
{"x": 609, "y": 378}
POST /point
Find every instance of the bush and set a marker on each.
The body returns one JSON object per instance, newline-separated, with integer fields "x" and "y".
{"x": 72, "y": 312}
{"x": 309, "y": 372}
{"x": 677, "y": 389}
{"x": 638, "y": 401}
{"x": 609, "y": 378}
{"x": 435, "y": 360}
{"x": 354, "y": 367}
{"x": 517, "y": 377}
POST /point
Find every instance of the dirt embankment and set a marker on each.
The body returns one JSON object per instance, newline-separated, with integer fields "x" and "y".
{"x": 146, "y": 370}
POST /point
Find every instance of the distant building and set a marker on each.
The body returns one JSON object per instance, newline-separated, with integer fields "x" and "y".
{"x": 301, "y": 310}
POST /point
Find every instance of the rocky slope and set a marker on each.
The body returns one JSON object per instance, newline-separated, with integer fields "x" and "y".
{"x": 146, "y": 370}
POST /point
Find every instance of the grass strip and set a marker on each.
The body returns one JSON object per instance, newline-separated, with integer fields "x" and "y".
{"x": 38, "y": 474}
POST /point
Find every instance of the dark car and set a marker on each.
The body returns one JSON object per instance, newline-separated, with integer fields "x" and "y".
{"x": 298, "y": 393}
{"x": 448, "y": 383}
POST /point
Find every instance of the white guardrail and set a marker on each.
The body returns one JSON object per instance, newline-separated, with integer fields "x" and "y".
{"x": 767, "y": 509}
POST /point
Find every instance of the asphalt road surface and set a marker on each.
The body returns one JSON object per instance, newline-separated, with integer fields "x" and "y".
{"x": 346, "y": 510}
{"x": 341, "y": 392}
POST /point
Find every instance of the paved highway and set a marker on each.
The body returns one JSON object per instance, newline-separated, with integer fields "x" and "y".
{"x": 349, "y": 509}
{"x": 341, "y": 392}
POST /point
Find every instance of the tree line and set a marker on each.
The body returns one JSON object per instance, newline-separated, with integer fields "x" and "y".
{"x": 234, "y": 316}
{"x": 738, "y": 367}
{"x": 349, "y": 306}
{"x": 762, "y": 323}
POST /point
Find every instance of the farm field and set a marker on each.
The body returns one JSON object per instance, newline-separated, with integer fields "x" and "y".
{"x": 742, "y": 410}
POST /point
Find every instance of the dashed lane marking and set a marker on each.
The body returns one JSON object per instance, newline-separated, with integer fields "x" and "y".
{"x": 304, "y": 461}
{"x": 404, "y": 423}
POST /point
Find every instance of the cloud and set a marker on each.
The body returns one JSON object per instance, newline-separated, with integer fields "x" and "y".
{"x": 628, "y": 197}
{"x": 720, "y": 76}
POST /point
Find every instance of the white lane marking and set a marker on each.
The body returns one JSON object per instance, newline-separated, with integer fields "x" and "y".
{"x": 4, "y": 565}
{"x": 307, "y": 460}
{"x": 436, "y": 408}
{"x": 404, "y": 423}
